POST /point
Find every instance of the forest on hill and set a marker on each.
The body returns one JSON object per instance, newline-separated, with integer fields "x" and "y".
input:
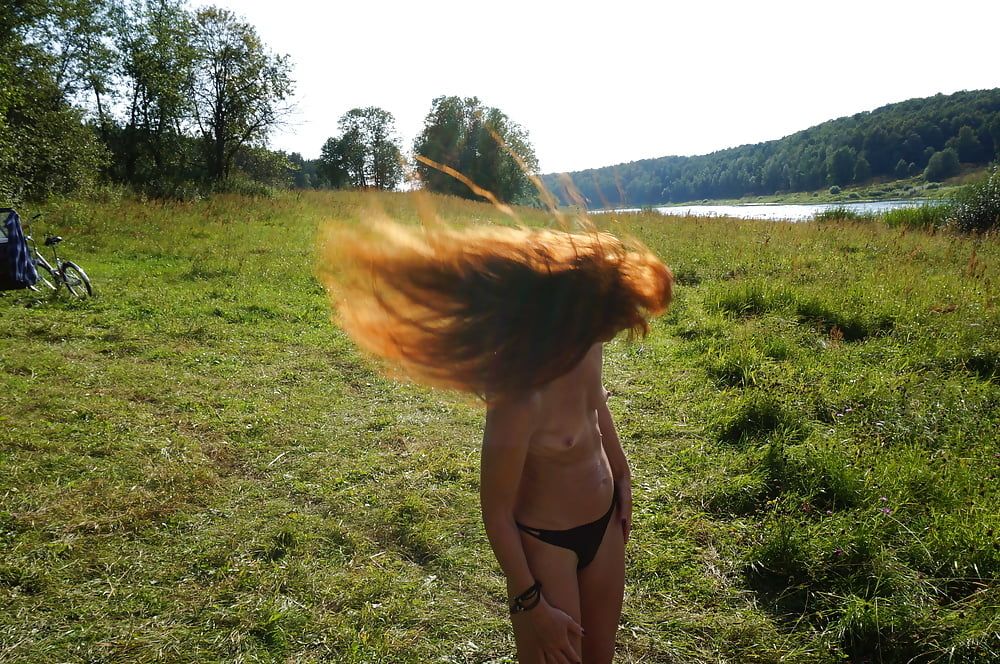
{"x": 930, "y": 137}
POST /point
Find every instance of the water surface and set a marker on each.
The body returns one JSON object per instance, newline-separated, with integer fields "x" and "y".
{"x": 802, "y": 212}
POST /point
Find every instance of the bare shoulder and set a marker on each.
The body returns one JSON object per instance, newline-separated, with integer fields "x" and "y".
{"x": 595, "y": 360}
{"x": 513, "y": 419}
{"x": 596, "y": 354}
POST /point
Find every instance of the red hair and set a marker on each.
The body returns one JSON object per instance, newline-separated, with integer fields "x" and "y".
{"x": 495, "y": 311}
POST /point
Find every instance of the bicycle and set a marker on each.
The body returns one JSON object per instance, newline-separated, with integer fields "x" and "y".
{"x": 64, "y": 272}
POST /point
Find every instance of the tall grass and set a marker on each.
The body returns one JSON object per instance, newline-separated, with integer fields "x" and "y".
{"x": 198, "y": 466}
{"x": 842, "y": 213}
{"x": 924, "y": 217}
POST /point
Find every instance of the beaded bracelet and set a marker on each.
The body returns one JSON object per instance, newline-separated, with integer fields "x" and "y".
{"x": 527, "y": 600}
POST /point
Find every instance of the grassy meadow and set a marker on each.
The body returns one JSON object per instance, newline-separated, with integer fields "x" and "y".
{"x": 196, "y": 466}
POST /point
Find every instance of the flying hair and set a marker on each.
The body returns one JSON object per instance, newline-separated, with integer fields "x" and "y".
{"x": 492, "y": 310}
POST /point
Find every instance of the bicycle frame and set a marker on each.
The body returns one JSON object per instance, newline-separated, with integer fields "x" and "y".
{"x": 61, "y": 273}
{"x": 38, "y": 257}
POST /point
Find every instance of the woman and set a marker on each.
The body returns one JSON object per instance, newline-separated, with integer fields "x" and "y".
{"x": 518, "y": 317}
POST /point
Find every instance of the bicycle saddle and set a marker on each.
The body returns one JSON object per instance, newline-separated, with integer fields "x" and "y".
{"x": 52, "y": 240}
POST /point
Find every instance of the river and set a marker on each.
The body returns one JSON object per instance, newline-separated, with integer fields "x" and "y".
{"x": 782, "y": 212}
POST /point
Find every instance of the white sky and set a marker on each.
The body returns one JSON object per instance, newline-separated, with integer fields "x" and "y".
{"x": 601, "y": 83}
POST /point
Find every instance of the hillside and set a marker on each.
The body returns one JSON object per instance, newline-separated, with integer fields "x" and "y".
{"x": 927, "y": 137}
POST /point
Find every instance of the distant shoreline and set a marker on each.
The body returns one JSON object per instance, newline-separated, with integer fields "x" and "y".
{"x": 907, "y": 189}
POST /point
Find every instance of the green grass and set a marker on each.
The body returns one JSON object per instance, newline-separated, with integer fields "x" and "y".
{"x": 198, "y": 467}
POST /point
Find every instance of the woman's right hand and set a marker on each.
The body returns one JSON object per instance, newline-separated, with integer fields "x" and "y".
{"x": 553, "y": 629}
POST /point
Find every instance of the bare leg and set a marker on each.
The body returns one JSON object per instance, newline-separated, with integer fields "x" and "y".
{"x": 602, "y": 587}
{"x": 555, "y": 567}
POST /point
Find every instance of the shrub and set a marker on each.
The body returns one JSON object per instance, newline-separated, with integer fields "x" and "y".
{"x": 977, "y": 206}
{"x": 834, "y": 190}
{"x": 942, "y": 165}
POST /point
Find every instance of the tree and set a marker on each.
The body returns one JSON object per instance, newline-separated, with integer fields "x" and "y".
{"x": 73, "y": 35}
{"x": 902, "y": 169}
{"x": 240, "y": 90}
{"x": 367, "y": 153}
{"x": 878, "y": 150}
{"x": 157, "y": 63}
{"x": 45, "y": 147}
{"x": 477, "y": 142}
{"x": 942, "y": 165}
{"x": 841, "y": 166}
{"x": 994, "y": 128}
{"x": 862, "y": 171}
{"x": 333, "y": 161}
{"x": 969, "y": 148}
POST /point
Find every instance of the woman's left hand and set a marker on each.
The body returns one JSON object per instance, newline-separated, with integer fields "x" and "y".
{"x": 623, "y": 487}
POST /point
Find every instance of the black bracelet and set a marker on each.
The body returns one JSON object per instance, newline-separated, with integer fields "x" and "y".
{"x": 527, "y": 600}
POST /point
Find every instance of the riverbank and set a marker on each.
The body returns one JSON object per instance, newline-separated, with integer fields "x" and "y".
{"x": 909, "y": 188}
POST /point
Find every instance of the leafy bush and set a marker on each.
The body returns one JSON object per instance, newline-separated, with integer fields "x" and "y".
{"x": 977, "y": 206}
{"x": 834, "y": 190}
{"x": 942, "y": 165}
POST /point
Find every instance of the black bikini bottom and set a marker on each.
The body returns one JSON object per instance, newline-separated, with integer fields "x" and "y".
{"x": 583, "y": 540}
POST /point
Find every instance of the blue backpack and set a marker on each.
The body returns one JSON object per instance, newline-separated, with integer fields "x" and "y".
{"x": 17, "y": 269}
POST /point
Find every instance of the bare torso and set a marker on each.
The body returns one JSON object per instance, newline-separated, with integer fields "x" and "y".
{"x": 567, "y": 480}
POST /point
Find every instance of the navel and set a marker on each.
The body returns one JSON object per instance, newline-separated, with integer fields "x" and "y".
{"x": 569, "y": 441}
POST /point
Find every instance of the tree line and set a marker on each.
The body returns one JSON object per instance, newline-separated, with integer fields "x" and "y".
{"x": 460, "y": 134}
{"x": 143, "y": 92}
{"x": 174, "y": 102}
{"x": 927, "y": 137}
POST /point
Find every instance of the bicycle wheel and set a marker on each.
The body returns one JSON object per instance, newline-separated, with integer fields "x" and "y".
{"x": 46, "y": 278}
{"x": 76, "y": 280}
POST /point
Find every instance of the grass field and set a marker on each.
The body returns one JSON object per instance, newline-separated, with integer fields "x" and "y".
{"x": 196, "y": 466}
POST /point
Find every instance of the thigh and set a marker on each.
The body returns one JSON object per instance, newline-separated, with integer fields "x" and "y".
{"x": 555, "y": 567}
{"x": 602, "y": 587}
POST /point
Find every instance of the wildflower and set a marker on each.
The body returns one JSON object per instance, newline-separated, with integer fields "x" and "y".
{"x": 886, "y": 510}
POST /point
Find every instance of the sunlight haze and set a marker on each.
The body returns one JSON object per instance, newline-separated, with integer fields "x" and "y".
{"x": 597, "y": 84}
